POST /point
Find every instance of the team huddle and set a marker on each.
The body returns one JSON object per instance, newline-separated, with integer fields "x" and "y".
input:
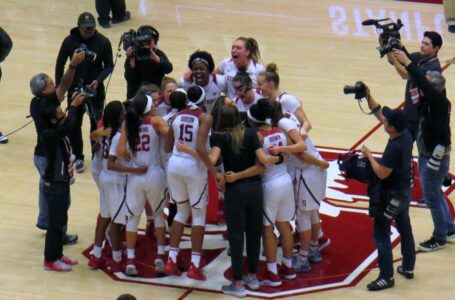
{"x": 161, "y": 145}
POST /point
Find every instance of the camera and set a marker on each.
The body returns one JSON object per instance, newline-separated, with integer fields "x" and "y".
{"x": 389, "y": 34}
{"x": 88, "y": 54}
{"x": 358, "y": 89}
{"x": 88, "y": 92}
{"x": 138, "y": 43}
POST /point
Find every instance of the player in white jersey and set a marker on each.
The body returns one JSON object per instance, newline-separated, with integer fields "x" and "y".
{"x": 162, "y": 103}
{"x": 245, "y": 55}
{"x": 112, "y": 185}
{"x": 201, "y": 73}
{"x": 187, "y": 180}
{"x": 245, "y": 94}
{"x": 279, "y": 205}
{"x": 309, "y": 175}
{"x": 268, "y": 85}
{"x": 141, "y": 136}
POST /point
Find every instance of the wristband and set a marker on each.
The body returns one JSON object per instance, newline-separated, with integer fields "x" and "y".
{"x": 280, "y": 159}
{"x": 72, "y": 66}
{"x": 376, "y": 109}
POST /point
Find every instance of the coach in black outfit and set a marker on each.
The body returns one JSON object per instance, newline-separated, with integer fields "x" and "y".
{"x": 392, "y": 196}
{"x": 138, "y": 72}
{"x": 91, "y": 73}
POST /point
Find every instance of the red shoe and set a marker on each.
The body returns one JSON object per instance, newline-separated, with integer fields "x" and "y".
{"x": 68, "y": 260}
{"x": 324, "y": 242}
{"x": 271, "y": 279}
{"x": 286, "y": 272}
{"x": 150, "y": 229}
{"x": 171, "y": 268}
{"x": 195, "y": 273}
{"x": 96, "y": 263}
{"x": 115, "y": 267}
{"x": 130, "y": 268}
{"x": 56, "y": 266}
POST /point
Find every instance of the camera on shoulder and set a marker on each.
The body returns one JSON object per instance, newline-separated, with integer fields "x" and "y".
{"x": 389, "y": 34}
{"x": 138, "y": 42}
{"x": 90, "y": 55}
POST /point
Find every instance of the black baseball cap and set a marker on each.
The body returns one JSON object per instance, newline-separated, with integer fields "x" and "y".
{"x": 396, "y": 117}
{"x": 86, "y": 19}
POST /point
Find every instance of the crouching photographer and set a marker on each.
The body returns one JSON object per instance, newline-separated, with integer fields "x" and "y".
{"x": 144, "y": 63}
{"x": 390, "y": 193}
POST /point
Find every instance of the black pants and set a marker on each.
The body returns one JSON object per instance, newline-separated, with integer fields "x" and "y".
{"x": 244, "y": 214}
{"x": 95, "y": 109}
{"x": 58, "y": 199}
{"x": 104, "y": 7}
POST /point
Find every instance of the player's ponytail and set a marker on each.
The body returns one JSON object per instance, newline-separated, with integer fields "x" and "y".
{"x": 111, "y": 117}
{"x": 134, "y": 116}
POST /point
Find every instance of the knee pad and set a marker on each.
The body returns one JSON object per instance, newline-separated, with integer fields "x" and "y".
{"x": 159, "y": 219}
{"x": 183, "y": 212}
{"x": 198, "y": 216}
{"x": 303, "y": 220}
{"x": 133, "y": 223}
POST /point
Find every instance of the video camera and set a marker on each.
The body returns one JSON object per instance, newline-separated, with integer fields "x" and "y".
{"x": 359, "y": 90}
{"x": 389, "y": 34}
{"x": 88, "y": 54}
{"x": 138, "y": 43}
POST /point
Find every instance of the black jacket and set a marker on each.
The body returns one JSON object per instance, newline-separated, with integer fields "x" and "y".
{"x": 88, "y": 70}
{"x": 5, "y": 44}
{"x": 146, "y": 71}
{"x": 434, "y": 110}
{"x": 57, "y": 149}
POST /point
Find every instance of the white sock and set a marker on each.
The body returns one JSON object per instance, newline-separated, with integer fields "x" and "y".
{"x": 161, "y": 249}
{"x": 117, "y": 255}
{"x": 287, "y": 262}
{"x": 314, "y": 245}
{"x": 97, "y": 251}
{"x": 130, "y": 253}
{"x": 272, "y": 267}
{"x": 173, "y": 252}
{"x": 196, "y": 258}
{"x": 303, "y": 253}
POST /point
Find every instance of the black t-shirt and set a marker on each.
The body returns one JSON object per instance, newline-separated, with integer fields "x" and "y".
{"x": 247, "y": 156}
{"x": 35, "y": 112}
{"x": 397, "y": 156}
{"x": 431, "y": 64}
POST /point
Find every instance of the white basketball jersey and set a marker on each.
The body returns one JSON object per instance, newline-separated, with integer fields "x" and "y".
{"x": 242, "y": 107}
{"x": 185, "y": 127}
{"x": 289, "y": 103}
{"x": 148, "y": 146}
{"x": 216, "y": 86}
{"x": 164, "y": 157}
{"x": 273, "y": 137}
{"x": 228, "y": 68}
{"x": 111, "y": 148}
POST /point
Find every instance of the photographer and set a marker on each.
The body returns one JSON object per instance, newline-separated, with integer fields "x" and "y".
{"x": 5, "y": 47}
{"x": 144, "y": 63}
{"x": 434, "y": 146}
{"x": 89, "y": 76}
{"x": 57, "y": 176}
{"x": 426, "y": 60}
{"x": 44, "y": 90}
{"x": 390, "y": 194}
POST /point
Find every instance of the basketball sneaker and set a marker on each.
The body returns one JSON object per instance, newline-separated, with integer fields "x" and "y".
{"x": 130, "y": 268}
{"x": 96, "y": 263}
{"x": 57, "y": 266}
{"x": 250, "y": 282}
{"x": 233, "y": 290}
{"x": 171, "y": 268}
{"x": 286, "y": 272}
{"x": 68, "y": 260}
{"x": 195, "y": 273}
{"x": 271, "y": 279}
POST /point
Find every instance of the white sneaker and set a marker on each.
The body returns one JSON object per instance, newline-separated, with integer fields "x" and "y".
{"x": 232, "y": 290}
